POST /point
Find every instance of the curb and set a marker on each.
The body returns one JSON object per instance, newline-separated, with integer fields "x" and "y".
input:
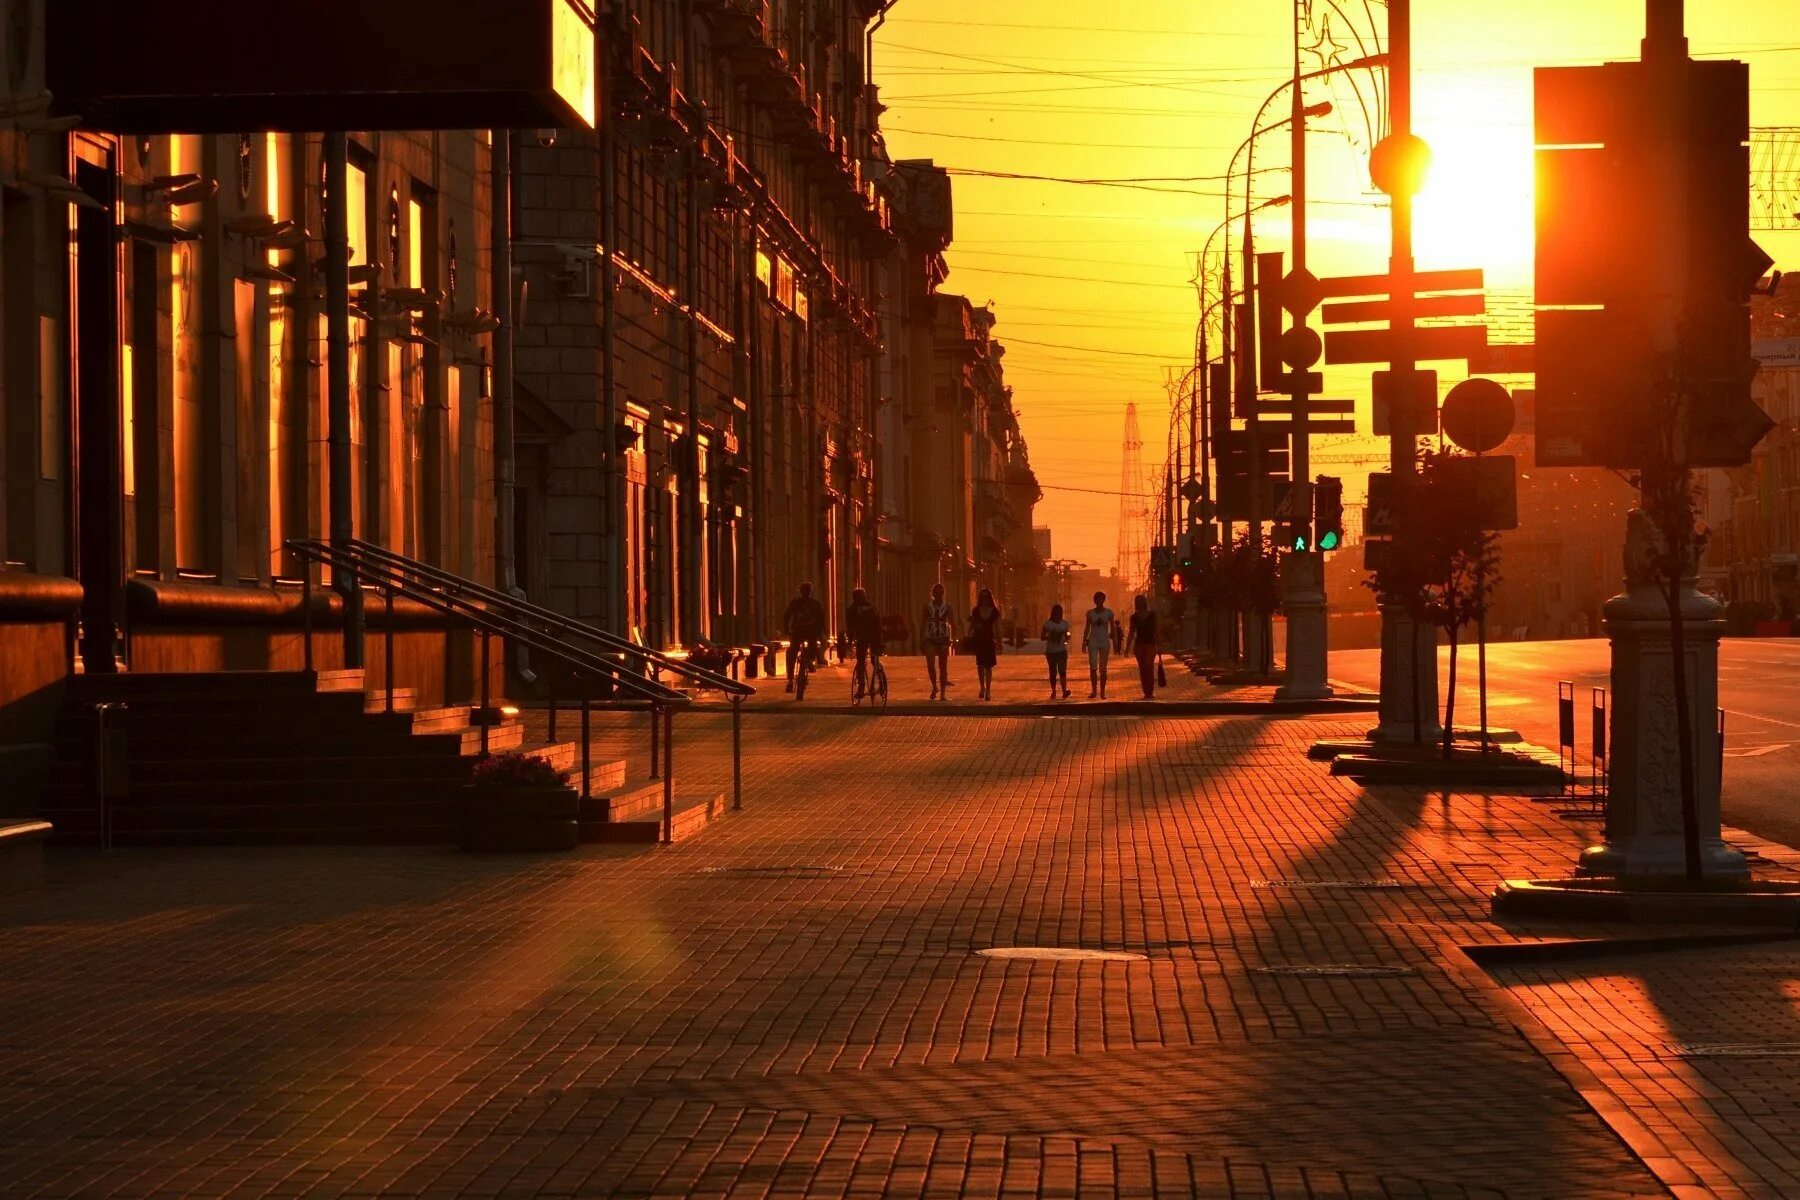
{"x": 1559, "y": 900}
{"x": 1099, "y": 708}
{"x": 1504, "y": 955}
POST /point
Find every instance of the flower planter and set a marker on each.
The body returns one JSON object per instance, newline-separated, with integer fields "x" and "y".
{"x": 520, "y": 818}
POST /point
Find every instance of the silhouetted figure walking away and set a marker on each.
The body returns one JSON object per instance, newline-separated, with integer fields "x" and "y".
{"x": 1142, "y": 642}
{"x": 1056, "y": 650}
{"x": 984, "y": 640}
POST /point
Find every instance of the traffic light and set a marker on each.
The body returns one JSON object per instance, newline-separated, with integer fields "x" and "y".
{"x": 1610, "y": 224}
{"x": 1328, "y": 512}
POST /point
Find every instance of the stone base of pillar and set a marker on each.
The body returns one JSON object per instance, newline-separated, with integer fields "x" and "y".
{"x": 1303, "y": 599}
{"x": 1408, "y": 664}
{"x": 1643, "y": 810}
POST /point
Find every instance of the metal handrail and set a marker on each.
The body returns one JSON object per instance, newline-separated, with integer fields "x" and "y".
{"x": 556, "y": 620}
{"x": 497, "y": 613}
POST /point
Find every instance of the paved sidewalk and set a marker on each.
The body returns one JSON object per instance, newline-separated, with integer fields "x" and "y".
{"x": 797, "y": 1002}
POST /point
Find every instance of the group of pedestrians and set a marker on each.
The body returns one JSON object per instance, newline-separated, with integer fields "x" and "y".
{"x": 1102, "y": 635}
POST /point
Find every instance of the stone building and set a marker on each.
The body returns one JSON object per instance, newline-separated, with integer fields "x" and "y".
{"x": 702, "y": 346}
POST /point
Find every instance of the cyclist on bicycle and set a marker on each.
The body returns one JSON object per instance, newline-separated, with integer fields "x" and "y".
{"x": 804, "y": 624}
{"x": 863, "y": 623}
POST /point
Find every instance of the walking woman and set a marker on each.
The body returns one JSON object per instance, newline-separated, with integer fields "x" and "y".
{"x": 1141, "y": 640}
{"x": 984, "y": 640}
{"x": 936, "y": 631}
{"x": 1056, "y": 650}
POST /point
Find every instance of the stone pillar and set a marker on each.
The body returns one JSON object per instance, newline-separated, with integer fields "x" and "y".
{"x": 1408, "y": 662}
{"x": 1253, "y": 641}
{"x": 1303, "y": 599}
{"x": 1643, "y": 812}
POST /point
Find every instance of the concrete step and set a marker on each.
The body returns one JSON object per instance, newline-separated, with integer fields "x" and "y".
{"x": 635, "y": 802}
{"x": 405, "y": 700}
{"x": 693, "y": 814}
{"x": 312, "y": 767}
{"x": 604, "y": 775}
{"x": 437, "y": 720}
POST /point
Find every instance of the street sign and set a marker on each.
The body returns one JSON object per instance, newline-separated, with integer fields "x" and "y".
{"x": 1398, "y": 163}
{"x": 1360, "y": 312}
{"x": 1506, "y": 358}
{"x": 1477, "y": 415}
{"x": 1316, "y": 406}
{"x": 1494, "y": 484}
{"x": 1301, "y": 346}
{"x": 1378, "y": 516}
{"x": 1301, "y": 292}
{"x": 1415, "y": 406}
{"x": 1314, "y": 381}
{"x": 1435, "y": 343}
{"x": 1461, "y": 279}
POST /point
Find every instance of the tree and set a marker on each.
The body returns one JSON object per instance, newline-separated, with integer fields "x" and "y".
{"x": 1442, "y": 564}
{"x": 1254, "y": 579}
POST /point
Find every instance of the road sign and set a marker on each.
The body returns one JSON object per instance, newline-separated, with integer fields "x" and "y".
{"x": 1301, "y": 346}
{"x": 1436, "y": 343}
{"x": 1477, "y": 415}
{"x": 1358, "y": 312}
{"x": 1398, "y": 163}
{"x": 1494, "y": 484}
{"x": 1507, "y": 358}
{"x": 1301, "y": 292}
{"x": 1461, "y": 279}
{"x": 1316, "y": 406}
{"x": 1313, "y": 382}
{"x": 1415, "y": 407}
{"x": 1378, "y": 517}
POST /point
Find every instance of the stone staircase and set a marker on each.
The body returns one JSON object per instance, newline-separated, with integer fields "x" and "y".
{"x": 299, "y": 757}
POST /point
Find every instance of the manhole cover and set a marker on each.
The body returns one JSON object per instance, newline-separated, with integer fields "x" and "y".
{"x": 1335, "y": 885}
{"x": 1741, "y": 1050}
{"x": 1062, "y": 954}
{"x": 777, "y": 872}
{"x": 1329, "y": 971}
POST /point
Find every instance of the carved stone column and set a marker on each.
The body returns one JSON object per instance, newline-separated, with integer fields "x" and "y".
{"x": 1303, "y": 599}
{"x": 1643, "y": 811}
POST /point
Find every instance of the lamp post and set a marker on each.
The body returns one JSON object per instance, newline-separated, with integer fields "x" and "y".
{"x": 1255, "y": 635}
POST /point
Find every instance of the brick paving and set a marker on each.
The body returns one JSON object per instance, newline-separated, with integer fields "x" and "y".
{"x": 795, "y": 1004}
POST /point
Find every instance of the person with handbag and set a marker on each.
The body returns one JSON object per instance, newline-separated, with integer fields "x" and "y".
{"x": 984, "y": 640}
{"x": 1141, "y": 642}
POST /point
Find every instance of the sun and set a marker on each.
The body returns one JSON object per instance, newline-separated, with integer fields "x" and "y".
{"x": 1476, "y": 209}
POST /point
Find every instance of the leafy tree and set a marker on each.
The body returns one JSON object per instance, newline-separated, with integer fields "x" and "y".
{"x": 1441, "y": 566}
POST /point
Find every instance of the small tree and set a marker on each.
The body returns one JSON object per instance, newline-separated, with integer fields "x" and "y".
{"x": 1255, "y": 581}
{"x": 1441, "y": 567}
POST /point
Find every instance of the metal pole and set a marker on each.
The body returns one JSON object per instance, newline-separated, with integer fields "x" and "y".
{"x": 387, "y": 646}
{"x": 306, "y": 649}
{"x": 337, "y": 375}
{"x": 668, "y": 774}
{"x": 655, "y": 735}
{"x": 737, "y": 753}
{"x": 484, "y": 691}
{"x": 587, "y": 763}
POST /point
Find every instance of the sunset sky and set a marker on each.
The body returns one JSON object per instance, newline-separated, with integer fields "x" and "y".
{"x": 1091, "y": 283}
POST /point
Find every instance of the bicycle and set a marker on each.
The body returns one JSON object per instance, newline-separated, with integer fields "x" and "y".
{"x": 870, "y": 684}
{"x": 803, "y": 665}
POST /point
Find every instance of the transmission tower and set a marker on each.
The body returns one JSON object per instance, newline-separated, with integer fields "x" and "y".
{"x": 1135, "y": 515}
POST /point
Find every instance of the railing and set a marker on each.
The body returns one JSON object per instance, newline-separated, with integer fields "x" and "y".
{"x": 618, "y": 665}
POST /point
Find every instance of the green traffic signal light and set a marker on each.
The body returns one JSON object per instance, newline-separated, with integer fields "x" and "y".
{"x": 1300, "y": 543}
{"x": 1328, "y": 540}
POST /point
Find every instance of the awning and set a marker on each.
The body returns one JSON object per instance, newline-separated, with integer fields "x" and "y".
{"x": 223, "y": 66}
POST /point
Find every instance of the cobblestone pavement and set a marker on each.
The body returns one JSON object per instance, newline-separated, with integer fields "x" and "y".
{"x": 796, "y": 1002}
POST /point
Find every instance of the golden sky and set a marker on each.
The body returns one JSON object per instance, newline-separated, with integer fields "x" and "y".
{"x": 1091, "y": 283}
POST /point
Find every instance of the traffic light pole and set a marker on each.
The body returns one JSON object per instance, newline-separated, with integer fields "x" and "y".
{"x": 1409, "y": 692}
{"x": 1663, "y": 810}
{"x": 1302, "y": 573}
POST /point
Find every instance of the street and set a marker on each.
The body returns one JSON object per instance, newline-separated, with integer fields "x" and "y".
{"x": 1759, "y": 688}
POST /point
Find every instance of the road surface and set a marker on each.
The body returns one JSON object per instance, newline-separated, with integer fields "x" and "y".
{"x": 1759, "y": 688}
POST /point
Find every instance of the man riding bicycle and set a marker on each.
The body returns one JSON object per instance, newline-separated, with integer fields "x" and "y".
{"x": 804, "y": 624}
{"x": 863, "y": 623}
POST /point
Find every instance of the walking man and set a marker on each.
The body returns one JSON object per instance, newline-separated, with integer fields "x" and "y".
{"x": 936, "y": 631}
{"x": 1096, "y": 639}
